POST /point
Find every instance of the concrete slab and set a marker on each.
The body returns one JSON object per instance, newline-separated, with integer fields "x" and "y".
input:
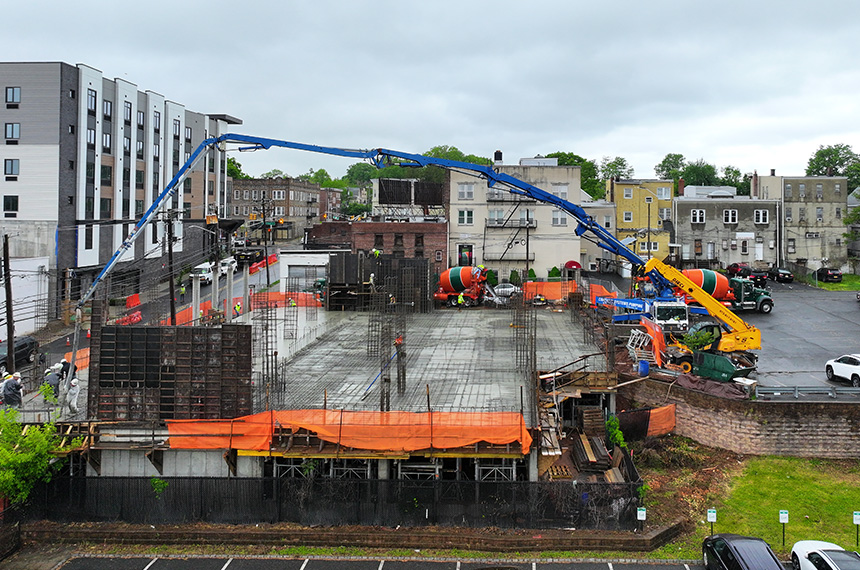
{"x": 467, "y": 359}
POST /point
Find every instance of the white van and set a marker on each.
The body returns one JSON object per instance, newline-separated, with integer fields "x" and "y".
{"x": 228, "y": 265}
{"x": 203, "y": 272}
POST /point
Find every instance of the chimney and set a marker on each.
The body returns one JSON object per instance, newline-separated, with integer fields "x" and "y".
{"x": 680, "y": 187}
{"x": 773, "y": 171}
{"x": 754, "y": 184}
{"x": 497, "y": 158}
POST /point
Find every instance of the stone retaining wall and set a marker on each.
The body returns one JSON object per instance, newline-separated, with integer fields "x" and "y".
{"x": 757, "y": 427}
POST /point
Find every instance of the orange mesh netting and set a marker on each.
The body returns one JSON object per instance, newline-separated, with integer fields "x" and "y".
{"x": 551, "y": 290}
{"x": 380, "y": 431}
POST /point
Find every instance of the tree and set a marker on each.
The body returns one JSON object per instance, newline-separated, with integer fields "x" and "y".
{"x": 852, "y": 171}
{"x": 700, "y": 173}
{"x": 851, "y": 220}
{"x": 833, "y": 160}
{"x": 234, "y": 169}
{"x": 617, "y": 167}
{"x": 274, "y": 174}
{"x": 360, "y": 174}
{"x": 26, "y": 458}
{"x": 356, "y": 209}
{"x": 589, "y": 180}
{"x": 670, "y": 167}
{"x": 731, "y": 176}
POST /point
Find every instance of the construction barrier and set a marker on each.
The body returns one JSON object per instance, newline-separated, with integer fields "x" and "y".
{"x": 131, "y": 319}
{"x": 599, "y": 291}
{"x": 255, "y": 267}
{"x": 278, "y": 299}
{"x": 551, "y": 290}
{"x": 132, "y": 301}
{"x": 382, "y": 431}
{"x": 82, "y": 361}
{"x": 186, "y": 316}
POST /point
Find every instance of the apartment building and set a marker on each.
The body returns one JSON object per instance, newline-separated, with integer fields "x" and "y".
{"x": 593, "y": 257}
{"x": 289, "y": 206}
{"x": 812, "y": 210}
{"x": 505, "y": 231}
{"x": 643, "y": 210}
{"x": 85, "y": 156}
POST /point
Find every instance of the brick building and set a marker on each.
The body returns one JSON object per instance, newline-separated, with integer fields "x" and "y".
{"x": 294, "y": 201}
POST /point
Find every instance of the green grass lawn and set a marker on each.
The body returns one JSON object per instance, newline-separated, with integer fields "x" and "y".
{"x": 819, "y": 495}
{"x": 850, "y": 282}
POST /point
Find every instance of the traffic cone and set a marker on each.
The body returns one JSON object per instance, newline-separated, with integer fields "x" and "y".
{"x": 88, "y": 333}
{"x": 67, "y": 342}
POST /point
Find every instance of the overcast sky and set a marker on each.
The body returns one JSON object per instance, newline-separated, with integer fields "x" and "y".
{"x": 753, "y": 84}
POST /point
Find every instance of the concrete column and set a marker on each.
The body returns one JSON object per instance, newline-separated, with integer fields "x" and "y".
{"x": 195, "y": 299}
{"x": 216, "y": 282}
{"x": 229, "y": 295}
{"x": 383, "y": 469}
{"x": 246, "y": 292}
{"x": 533, "y": 464}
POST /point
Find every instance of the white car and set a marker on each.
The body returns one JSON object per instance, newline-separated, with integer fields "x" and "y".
{"x": 507, "y": 289}
{"x": 846, "y": 366}
{"x": 203, "y": 272}
{"x": 228, "y": 265}
{"x": 819, "y": 555}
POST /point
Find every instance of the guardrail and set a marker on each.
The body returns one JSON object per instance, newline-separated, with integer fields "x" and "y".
{"x": 796, "y": 391}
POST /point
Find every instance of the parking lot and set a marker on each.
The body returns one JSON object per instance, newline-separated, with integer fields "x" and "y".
{"x": 807, "y": 327}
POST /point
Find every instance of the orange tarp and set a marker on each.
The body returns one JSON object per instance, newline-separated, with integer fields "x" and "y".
{"x": 549, "y": 289}
{"x": 600, "y": 291}
{"x": 661, "y": 420}
{"x": 380, "y": 431}
{"x": 82, "y": 361}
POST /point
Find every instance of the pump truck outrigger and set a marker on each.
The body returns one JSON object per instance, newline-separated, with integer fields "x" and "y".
{"x": 740, "y": 334}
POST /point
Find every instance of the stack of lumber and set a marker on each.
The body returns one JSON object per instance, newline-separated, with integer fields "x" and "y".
{"x": 589, "y": 454}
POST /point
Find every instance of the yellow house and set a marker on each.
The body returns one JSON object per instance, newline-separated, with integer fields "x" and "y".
{"x": 641, "y": 207}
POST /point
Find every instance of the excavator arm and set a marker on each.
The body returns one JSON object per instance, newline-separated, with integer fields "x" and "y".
{"x": 741, "y": 335}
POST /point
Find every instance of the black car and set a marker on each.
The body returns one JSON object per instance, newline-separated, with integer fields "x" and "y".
{"x": 26, "y": 349}
{"x": 755, "y": 275}
{"x": 827, "y": 274}
{"x": 780, "y": 275}
{"x": 735, "y": 552}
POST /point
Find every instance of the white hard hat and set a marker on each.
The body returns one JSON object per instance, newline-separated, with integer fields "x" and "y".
{"x": 49, "y": 370}
{"x": 58, "y": 366}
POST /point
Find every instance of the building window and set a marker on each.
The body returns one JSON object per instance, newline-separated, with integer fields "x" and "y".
{"x": 71, "y": 93}
{"x": 801, "y": 190}
{"x": 210, "y": 187}
{"x": 628, "y": 216}
{"x": 665, "y": 214}
{"x": 664, "y": 193}
{"x": 697, "y": 216}
{"x": 838, "y": 242}
{"x": 91, "y": 101}
{"x": 88, "y": 237}
{"x": 788, "y": 214}
{"x": 107, "y": 175}
{"x": 560, "y": 191}
{"x": 91, "y": 138}
{"x": 126, "y": 145}
{"x": 607, "y": 221}
{"x": 819, "y": 191}
{"x": 107, "y": 109}
{"x": 697, "y": 245}
{"x": 253, "y": 194}
{"x": 156, "y": 151}
{"x": 466, "y": 191}
{"x": 106, "y": 146}
{"x": 139, "y": 145}
{"x": 126, "y": 112}
{"x": 156, "y": 121}
{"x": 496, "y": 217}
{"x": 801, "y": 212}
{"x": 138, "y": 208}
{"x": 465, "y": 217}
{"x": 628, "y": 193}
{"x": 13, "y": 97}
{"x": 126, "y": 178}
{"x": 837, "y": 188}
{"x": 464, "y": 255}
{"x": 91, "y": 172}
{"x": 10, "y": 206}
{"x": 71, "y": 129}
{"x": 237, "y": 195}
{"x": 177, "y": 127}
{"x": 788, "y": 190}
{"x": 188, "y": 134}
{"x": 419, "y": 240}
{"x": 819, "y": 214}
{"x": 13, "y": 132}
{"x": 559, "y": 218}
{"x": 643, "y": 246}
{"x": 744, "y": 247}
{"x": 730, "y": 216}
{"x": 235, "y": 210}
{"x": 11, "y": 166}
{"x": 791, "y": 246}
{"x": 141, "y": 119}
{"x": 761, "y": 216}
{"x": 838, "y": 213}
{"x": 106, "y": 208}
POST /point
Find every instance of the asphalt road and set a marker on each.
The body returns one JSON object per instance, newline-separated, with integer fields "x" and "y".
{"x": 224, "y": 563}
{"x": 807, "y": 327}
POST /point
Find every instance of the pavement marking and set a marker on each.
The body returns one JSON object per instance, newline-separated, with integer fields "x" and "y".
{"x": 610, "y": 565}
{"x": 226, "y": 564}
{"x": 687, "y": 566}
{"x": 154, "y": 560}
{"x": 305, "y": 563}
{"x": 381, "y": 562}
{"x": 534, "y": 565}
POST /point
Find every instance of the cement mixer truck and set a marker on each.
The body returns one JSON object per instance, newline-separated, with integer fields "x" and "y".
{"x": 735, "y": 293}
{"x": 469, "y": 281}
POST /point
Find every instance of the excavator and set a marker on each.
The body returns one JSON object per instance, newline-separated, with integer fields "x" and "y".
{"x": 734, "y": 334}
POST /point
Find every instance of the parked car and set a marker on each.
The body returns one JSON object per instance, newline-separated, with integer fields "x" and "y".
{"x": 203, "y": 272}
{"x": 507, "y": 289}
{"x": 734, "y": 268}
{"x": 780, "y": 275}
{"x": 827, "y": 274}
{"x": 26, "y": 349}
{"x": 227, "y": 265}
{"x": 846, "y": 366}
{"x": 819, "y": 555}
{"x": 735, "y": 552}
{"x": 759, "y": 277}
{"x": 241, "y": 241}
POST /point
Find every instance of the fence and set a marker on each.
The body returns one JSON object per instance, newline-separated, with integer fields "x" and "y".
{"x": 10, "y": 531}
{"x": 607, "y": 506}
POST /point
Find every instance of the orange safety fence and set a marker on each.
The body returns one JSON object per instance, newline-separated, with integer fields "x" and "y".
{"x": 600, "y": 291}
{"x": 132, "y": 301}
{"x": 552, "y": 290}
{"x": 662, "y": 420}
{"x": 381, "y": 431}
{"x": 186, "y": 315}
{"x": 83, "y": 359}
{"x": 255, "y": 267}
{"x": 658, "y": 340}
{"x": 278, "y": 299}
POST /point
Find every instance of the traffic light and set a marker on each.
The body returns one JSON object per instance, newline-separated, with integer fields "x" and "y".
{"x": 281, "y": 221}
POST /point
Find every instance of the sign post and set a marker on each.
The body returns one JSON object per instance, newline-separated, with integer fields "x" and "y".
{"x": 857, "y": 527}
{"x": 640, "y": 516}
{"x": 712, "y": 518}
{"x": 783, "y": 519}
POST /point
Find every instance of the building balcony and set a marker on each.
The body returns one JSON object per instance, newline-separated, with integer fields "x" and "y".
{"x": 508, "y": 255}
{"x": 501, "y": 196}
{"x": 514, "y": 223}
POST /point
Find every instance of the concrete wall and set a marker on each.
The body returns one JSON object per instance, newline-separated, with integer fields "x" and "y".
{"x": 802, "y": 429}
{"x": 177, "y": 463}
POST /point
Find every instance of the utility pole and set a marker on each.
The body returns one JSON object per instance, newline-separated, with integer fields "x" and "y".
{"x": 170, "y": 267}
{"x": 265, "y": 207}
{"x": 10, "y": 322}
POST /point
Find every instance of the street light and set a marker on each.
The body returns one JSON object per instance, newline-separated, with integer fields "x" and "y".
{"x": 648, "y": 200}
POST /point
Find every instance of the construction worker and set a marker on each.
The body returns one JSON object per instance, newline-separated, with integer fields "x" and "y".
{"x": 72, "y": 396}
{"x": 182, "y": 293}
{"x": 460, "y": 301}
{"x": 52, "y": 379}
{"x": 12, "y": 391}
{"x": 291, "y": 302}
{"x": 375, "y": 252}
{"x": 237, "y": 310}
